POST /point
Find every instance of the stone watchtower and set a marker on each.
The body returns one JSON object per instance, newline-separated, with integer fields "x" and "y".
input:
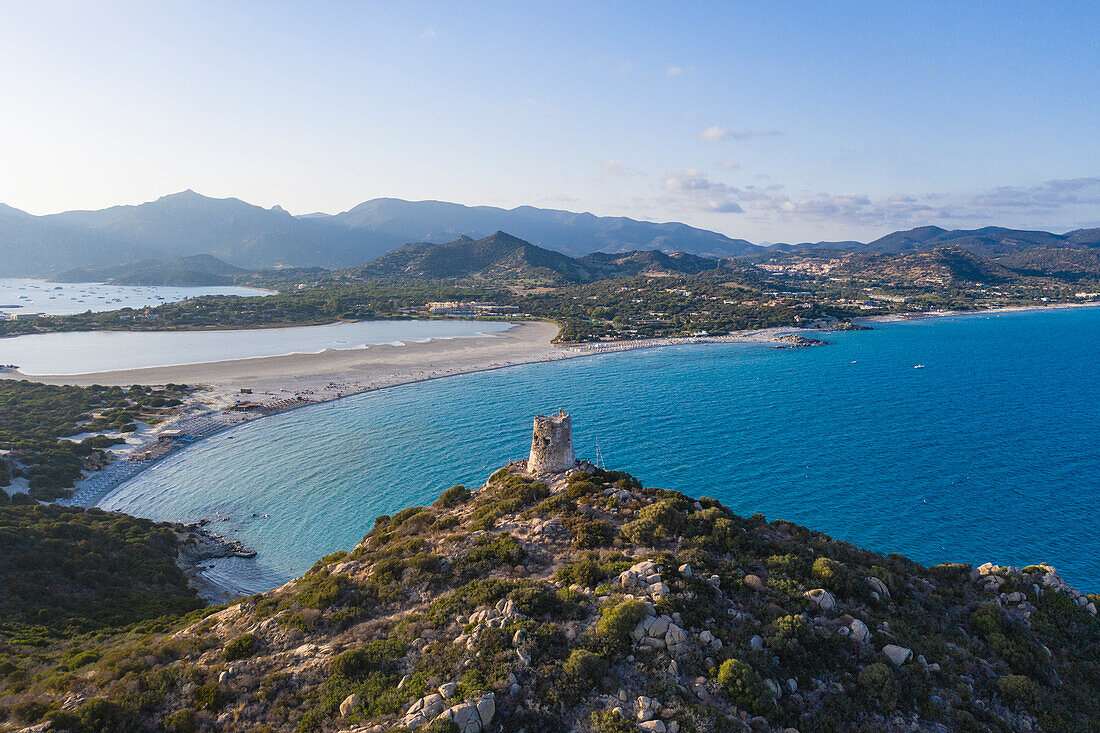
{"x": 552, "y": 444}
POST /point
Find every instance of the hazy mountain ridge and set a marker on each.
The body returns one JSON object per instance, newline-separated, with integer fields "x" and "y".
{"x": 248, "y": 236}
{"x": 986, "y": 241}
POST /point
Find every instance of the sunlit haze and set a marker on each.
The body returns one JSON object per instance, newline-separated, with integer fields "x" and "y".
{"x": 772, "y": 122}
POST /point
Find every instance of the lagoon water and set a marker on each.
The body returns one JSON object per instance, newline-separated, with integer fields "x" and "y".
{"x": 83, "y": 352}
{"x": 22, "y": 295}
{"x": 989, "y": 452}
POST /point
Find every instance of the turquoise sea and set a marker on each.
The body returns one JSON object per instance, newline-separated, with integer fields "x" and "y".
{"x": 988, "y": 452}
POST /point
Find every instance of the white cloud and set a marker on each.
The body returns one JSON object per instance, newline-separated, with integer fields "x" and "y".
{"x": 428, "y": 34}
{"x": 674, "y": 71}
{"x": 1044, "y": 196}
{"x": 1073, "y": 201}
{"x": 716, "y": 134}
{"x": 695, "y": 192}
{"x": 1029, "y": 206}
{"x": 727, "y": 165}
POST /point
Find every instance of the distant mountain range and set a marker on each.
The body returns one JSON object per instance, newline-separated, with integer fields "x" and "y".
{"x": 247, "y": 236}
{"x": 986, "y": 242}
{"x": 242, "y": 235}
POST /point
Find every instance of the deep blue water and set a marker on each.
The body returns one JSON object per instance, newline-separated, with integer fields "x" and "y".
{"x": 989, "y": 452}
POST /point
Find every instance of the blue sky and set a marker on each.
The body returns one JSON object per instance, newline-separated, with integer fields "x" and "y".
{"x": 773, "y": 122}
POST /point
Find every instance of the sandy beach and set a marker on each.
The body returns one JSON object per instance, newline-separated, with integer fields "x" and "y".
{"x": 376, "y": 366}
{"x": 321, "y": 376}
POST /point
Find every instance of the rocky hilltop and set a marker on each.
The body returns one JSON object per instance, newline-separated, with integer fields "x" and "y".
{"x": 583, "y": 601}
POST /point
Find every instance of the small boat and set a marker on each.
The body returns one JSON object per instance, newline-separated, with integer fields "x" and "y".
{"x": 919, "y": 366}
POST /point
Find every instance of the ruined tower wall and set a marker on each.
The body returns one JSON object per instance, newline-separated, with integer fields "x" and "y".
{"x": 552, "y": 444}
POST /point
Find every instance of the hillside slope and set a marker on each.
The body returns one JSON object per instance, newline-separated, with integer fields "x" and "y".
{"x": 504, "y": 257}
{"x": 194, "y": 270}
{"x": 499, "y": 256}
{"x": 587, "y": 602}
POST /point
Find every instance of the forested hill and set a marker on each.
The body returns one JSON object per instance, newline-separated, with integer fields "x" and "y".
{"x": 587, "y": 602}
{"x": 497, "y": 257}
{"x": 502, "y": 257}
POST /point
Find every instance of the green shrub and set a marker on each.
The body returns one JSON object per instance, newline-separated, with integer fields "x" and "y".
{"x": 639, "y": 532}
{"x": 877, "y": 680}
{"x": 378, "y": 656}
{"x": 1017, "y": 688}
{"x": 657, "y": 521}
{"x": 453, "y": 496}
{"x": 606, "y": 721}
{"x": 665, "y": 516}
{"x": 585, "y": 667}
{"x": 207, "y": 697}
{"x": 29, "y": 711}
{"x": 950, "y": 572}
{"x": 593, "y": 533}
{"x": 404, "y": 515}
{"x": 489, "y": 553}
{"x": 239, "y": 648}
{"x": 791, "y": 633}
{"x": 619, "y": 620}
{"x": 182, "y": 721}
{"x": 520, "y": 491}
{"x": 744, "y": 686}
{"x": 585, "y": 572}
{"x": 556, "y": 503}
{"x": 580, "y": 488}
{"x": 448, "y": 522}
{"x": 69, "y": 570}
{"x": 536, "y": 600}
{"x": 320, "y": 590}
{"x": 831, "y": 574}
{"x": 82, "y": 659}
{"x": 97, "y": 715}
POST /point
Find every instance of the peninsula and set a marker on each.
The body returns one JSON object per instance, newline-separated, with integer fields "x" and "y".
{"x": 558, "y": 596}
